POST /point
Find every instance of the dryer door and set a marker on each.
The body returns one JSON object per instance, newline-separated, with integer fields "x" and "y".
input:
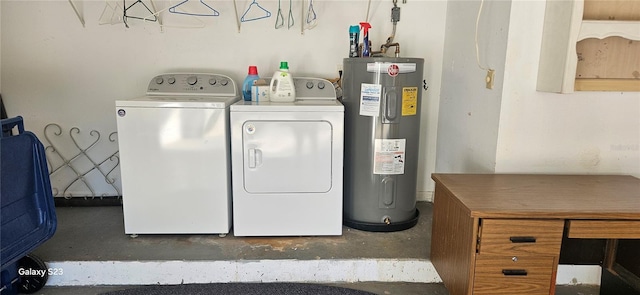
{"x": 287, "y": 156}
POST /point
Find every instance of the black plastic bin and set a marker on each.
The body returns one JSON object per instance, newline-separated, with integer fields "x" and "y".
{"x": 28, "y": 213}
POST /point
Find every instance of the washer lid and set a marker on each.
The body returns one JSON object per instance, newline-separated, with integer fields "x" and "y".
{"x": 301, "y": 105}
{"x": 162, "y": 101}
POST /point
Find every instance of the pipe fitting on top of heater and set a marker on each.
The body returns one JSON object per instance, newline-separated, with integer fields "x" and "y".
{"x": 395, "y": 18}
{"x": 397, "y": 46}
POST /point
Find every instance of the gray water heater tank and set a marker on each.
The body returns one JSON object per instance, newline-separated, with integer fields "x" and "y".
{"x": 382, "y": 100}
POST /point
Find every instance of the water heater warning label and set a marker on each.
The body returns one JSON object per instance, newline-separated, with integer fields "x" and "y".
{"x": 389, "y": 157}
{"x": 370, "y": 99}
{"x": 409, "y": 101}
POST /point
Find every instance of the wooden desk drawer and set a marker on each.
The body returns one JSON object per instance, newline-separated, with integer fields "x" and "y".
{"x": 521, "y": 236}
{"x": 604, "y": 229}
{"x": 501, "y": 275}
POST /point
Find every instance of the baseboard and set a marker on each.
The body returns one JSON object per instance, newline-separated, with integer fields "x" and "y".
{"x": 424, "y": 196}
{"x": 578, "y": 274}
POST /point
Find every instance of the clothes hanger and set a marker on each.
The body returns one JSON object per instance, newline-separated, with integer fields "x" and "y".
{"x": 116, "y": 12}
{"x": 212, "y": 13}
{"x": 125, "y": 16}
{"x": 290, "y": 21}
{"x": 77, "y": 13}
{"x": 235, "y": 7}
{"x": 266, "y": 12}
{"x": 312, "y": 18}
{"x": 280, "y": 17}
{"x": 200, "y": 24}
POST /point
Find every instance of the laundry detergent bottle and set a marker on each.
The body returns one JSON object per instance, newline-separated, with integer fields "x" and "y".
{"x": 248, "y": 82}
{"x": 281, "y": 88}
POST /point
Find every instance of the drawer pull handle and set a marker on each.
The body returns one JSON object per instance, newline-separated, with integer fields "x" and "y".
{"x": 522, "y": 239}
{"x": 514, "y": 272}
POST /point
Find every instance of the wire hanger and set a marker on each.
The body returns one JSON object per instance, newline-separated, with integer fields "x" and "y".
{"x": 80, "y": 18}
{"x": 114, "y": 8}
{"x": 125, "y": 16}
{"x": 235, "y": 8}
{"x": 213, "y": 12}
{"x": 265, "y": 15}
{"x": 200, "y": 23}
{"x": 290, "y": 21}
{"x": 279, "y": 17}
{"x": 311, "y": 16}
{"x": 311, "y": 19}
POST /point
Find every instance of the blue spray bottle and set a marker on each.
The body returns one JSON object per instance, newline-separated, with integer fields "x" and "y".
{"x": 366, "y": 51}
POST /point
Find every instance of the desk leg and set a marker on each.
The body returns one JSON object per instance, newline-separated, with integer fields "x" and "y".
{"x": 610, "y": 254}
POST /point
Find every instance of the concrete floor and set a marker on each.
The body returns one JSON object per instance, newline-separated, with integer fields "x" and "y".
{"x": 97, "y": 234}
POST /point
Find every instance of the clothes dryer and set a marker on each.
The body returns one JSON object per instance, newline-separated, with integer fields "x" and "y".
{"x": 287, "y": 163}
{"x": 175, "y": 157}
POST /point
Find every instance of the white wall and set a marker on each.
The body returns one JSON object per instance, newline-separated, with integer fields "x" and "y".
{"x": 514, "y": 128}
{"x": 56, "y": 71}
{"x": 583, "y": 132}
{"x": 470, "y": 113}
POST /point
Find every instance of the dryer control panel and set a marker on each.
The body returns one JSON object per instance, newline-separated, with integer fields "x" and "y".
{"x": 192, "y": 84}
{"x": 313, "y": 88}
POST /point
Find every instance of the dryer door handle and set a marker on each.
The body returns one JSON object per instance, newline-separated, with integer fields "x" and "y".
{"x": 254, "y": 158}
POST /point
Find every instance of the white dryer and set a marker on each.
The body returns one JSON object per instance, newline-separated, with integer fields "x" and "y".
{"x": 175, "y": 157}
{"x": 287, "y": 163}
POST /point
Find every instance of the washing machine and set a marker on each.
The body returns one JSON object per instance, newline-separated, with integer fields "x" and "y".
{"x": 287, "y": 163}
{"x": 175, "y": 155}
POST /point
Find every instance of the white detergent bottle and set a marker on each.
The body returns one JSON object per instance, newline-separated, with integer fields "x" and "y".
{"x": 282, "y": 88}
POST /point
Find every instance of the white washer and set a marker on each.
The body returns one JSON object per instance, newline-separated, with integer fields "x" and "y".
{"x": 287, "y": 163}
{"x": 174, "y": 155}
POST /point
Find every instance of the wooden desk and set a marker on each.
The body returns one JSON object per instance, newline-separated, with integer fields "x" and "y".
{"x": 501, "y": 234}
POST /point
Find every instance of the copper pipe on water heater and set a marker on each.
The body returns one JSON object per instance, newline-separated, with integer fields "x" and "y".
{"x": 397, "y": 45}
{"x": 395, "y": 17}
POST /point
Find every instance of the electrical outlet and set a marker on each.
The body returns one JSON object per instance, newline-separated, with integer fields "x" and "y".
{"x": 489, "y": 78}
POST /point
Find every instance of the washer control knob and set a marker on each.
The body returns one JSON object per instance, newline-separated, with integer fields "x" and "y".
{"x": 171, "y": 80}
{"x": 321, "y": 85}
{"x": 159, "y": 80}
{"x": 192, "y": 80}
{"x": 224, "y": 82}
{"x": 212, "y": 81}
{"x": 309, "y": 85}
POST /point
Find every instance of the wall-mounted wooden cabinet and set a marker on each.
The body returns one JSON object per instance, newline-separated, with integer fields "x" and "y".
{"x": 590, "y": 45}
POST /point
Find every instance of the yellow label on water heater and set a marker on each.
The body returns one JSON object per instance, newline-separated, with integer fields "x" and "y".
{"x": 409, "y": 101}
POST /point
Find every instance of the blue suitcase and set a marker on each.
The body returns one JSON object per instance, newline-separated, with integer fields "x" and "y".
{"x": 28, "y": 212}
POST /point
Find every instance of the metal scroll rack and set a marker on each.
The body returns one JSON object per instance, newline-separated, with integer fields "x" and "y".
{"x": 72, "y": 165}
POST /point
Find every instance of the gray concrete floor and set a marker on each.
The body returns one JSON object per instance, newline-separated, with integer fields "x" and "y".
{"x": 93, "y": 233}
{"x": 97, "y": 234}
